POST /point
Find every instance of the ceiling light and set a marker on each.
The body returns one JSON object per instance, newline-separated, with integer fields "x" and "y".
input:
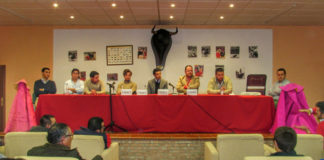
{"x": 221, "y": 17}
{"x": 171, "y": 17}
{"x": 121, "y": 17}
{"x": 71, "y": 17}
{"x": 113, "y": 4}
{"x": 231, "y": 5}
{"x": 172, "y": 5}
{"x": 55, "y": 5}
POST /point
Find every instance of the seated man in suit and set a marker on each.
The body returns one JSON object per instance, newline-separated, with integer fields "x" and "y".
{"x": 156, "y": 83}
{"x": 127, "y": 83}
{"x": 96, "y": 126}
{"x": 188, "y": 81}
{"x": 220, "y": 84}
{"x": 59, "y": 139}
{"x": 285, "y": 140}
{"x": 46, "y": 122}
{"x": 44, "y": 85}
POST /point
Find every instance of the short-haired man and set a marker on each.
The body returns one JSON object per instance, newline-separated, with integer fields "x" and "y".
{"x": 156, "y": 83}
{"x": 59, "y": 139}
{"x": 188, "y": 81}
{"x": 94, "y": 85}
{"x": 285, "y": 140}
{"x": 46, "y": 122}
{"x": 220, "y": 84}
{"x": 74, "y": 85}
{"x": 44, "y": 85}
{"x": 96, "y": 126}
{"x": 318, "y": 111}
{"x": 127, "y": 83}
{"x": 282, "y": 81}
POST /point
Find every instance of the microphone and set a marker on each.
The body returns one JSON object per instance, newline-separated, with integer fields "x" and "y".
{"x": 170, "y": 84}
{"x": 112, "y": 85}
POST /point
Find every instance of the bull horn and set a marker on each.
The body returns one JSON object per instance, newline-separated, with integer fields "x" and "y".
{"x": 153, "y": 30}
{"x": 173, "y": 33}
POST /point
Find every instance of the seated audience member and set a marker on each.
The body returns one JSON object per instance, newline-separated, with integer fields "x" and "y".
{"x": 127, "y": 83}
{"x": 46, "y": 122}
{"x": 282, "y": 81}
{"x": 44, "y": 85}
{"x": 74, "y": 85}
{"x": 285, "y": 140}
{"x": 156, "y": 83}
{"x": 219, "y": 84}
{"x": 96, "y": 126}
{"x": 59, "y": 138}
{"x": 94, "y": 85}
{"x": 188, "y": 81}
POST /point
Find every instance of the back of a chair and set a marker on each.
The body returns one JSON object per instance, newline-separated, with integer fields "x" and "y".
{"x": 277, "y": 158}
{"x": 45, "y": 158}
{"x": 256, "y": 83}
{"x": 310, "y": 145}
{"x": 18, "y": 143}
{"x": 88, "y": 145}
{"x": 237, "y": 146}
{"x": 112, "y": 153}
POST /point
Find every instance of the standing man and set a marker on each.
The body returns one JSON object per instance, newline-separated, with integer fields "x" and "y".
{"x": 93, "y": 85}
{"x": 282, "y": 81}
{"x": 188, "y": 81}
{"x": 44, "y": 85}
{"x": 156, "y": 83}
{"x": 74, "y": 85}
{"x": 219, "y": 84}
{"x": 127, "y": 83}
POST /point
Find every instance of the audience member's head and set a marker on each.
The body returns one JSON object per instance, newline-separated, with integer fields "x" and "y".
{"x": 94, "y": 76}
{"x": 157, "y": 73}
{"x": 320, "y": 110}
{"x": 47, "y": 121}
{"x": 127, "y": 74}
{"x": 96, "y": 124}
{"x": 60, "y": 133}
{"x": 285, "y": 139}
{"x": 188, "y": 70}
{"x": 219, "y": 73}
{"x": 281, "y": 74}
{"x": 46, "y": 73}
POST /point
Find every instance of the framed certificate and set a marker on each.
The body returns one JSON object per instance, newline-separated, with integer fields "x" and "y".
{"x": 119, "y": 55}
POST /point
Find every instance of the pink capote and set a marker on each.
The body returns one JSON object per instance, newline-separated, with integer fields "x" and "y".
{"x": 292, "y": 99}
{"x": 22, "y": 116}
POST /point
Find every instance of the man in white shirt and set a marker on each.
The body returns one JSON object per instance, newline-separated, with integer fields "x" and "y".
{"x": 282, "y": 81}
{"x": 74, "y": 85}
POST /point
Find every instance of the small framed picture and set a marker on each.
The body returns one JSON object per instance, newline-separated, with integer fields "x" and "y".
{"x": 112, "y": 76}
{"x": 89, "y": 56}
{"x": 142, "y": 53}
{"x": 73, "y": 55}
{"x": 192, "y": 51}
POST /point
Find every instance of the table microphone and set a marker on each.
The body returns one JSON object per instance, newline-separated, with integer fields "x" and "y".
{"x": 170, "y": 84}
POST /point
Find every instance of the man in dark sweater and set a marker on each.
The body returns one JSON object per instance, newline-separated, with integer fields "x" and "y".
{"x": 44, "y": 85}
{"x": 285, "y": 140}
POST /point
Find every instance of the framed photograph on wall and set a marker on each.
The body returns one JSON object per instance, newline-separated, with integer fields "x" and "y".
{"x": 119, "y": 55}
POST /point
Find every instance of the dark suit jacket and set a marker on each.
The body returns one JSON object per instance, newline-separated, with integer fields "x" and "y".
{"x": 151, "y": 85}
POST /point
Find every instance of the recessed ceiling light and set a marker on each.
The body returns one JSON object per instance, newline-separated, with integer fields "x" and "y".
{"x": 221, "y": 17}
{"x": 172, "y": 5}
{"x": 231, "y": 5}
{"x": 121, "y": 17}
{"x": 113, "y": 4}
{"x": 55, "y": 5}
{"x": 171, "y": 17}
{"x": 71, "y": 17}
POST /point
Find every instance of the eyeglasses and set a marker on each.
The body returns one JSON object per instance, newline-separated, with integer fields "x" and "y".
{"x": 69, "y": 135}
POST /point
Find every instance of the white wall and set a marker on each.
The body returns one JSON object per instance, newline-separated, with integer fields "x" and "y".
{"x": 97, "y": 39}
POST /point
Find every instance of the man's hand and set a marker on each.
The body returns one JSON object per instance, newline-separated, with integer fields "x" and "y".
{"x": 73, "y": 90}
{"x": 308, "y": 111}
{"x": 93, "y": 91}
{"x": 303, "y": 128}
{"x": 222, "y": 88}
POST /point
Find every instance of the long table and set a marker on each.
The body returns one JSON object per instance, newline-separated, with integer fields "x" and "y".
{"x": 156, "y": 113}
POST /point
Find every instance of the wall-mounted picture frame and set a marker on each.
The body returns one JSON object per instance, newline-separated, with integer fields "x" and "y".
{"x": 119, "y": 55}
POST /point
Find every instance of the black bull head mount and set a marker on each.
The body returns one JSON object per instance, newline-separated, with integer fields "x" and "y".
{"x": 161, "y": 43}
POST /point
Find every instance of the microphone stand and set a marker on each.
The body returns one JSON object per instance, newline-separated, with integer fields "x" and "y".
{"x": 110, "y": 127}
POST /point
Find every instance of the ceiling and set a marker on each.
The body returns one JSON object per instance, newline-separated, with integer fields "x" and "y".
{"x": 150, "y": 12}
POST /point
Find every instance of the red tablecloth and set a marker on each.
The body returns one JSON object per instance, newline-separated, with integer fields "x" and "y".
{"x": 153, "y": 113}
